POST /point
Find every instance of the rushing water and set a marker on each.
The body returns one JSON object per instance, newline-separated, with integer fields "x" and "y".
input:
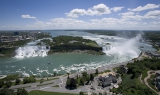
{"x": 33, "y": 60}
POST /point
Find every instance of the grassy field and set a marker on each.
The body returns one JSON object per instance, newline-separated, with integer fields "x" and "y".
{"x": 36, "y": 92}
{"x": 92, "y": 44}
{"x": 144, "y": 74}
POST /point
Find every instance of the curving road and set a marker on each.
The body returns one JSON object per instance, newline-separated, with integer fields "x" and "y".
{"x": 145, "y": 81}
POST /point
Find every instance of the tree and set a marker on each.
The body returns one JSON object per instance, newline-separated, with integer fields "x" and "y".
{"x": 94, "y": 94}
{"x": 97, "y": 72}
{"x": 1, "y": 83}
{"x": 77, "y": 77}
{"x": 87, "y": 78}
{"x": 29, "y": 80}
{"x": 54, "y": 74}
{"x": 73, "y": 83}
{"x": 82, "y": 81}
{"x": 21, "y": 91}
{"x": 8, "y": 84}
{"x": 105, "y": 93}
{"x": 18, "y": 81}
{"x": 81, "y": 93}
{"x": 42, "y": 80}
{"x": 68, "y": 82}
{"x": 6, "y": 91}
{"x": 84, "y": 73}
{"x": 91, "y": 77}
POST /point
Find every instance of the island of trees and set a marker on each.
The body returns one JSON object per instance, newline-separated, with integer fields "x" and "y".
{"x": 63, "y": 44}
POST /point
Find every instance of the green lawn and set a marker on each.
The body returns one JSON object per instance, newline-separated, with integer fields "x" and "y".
{"x": 92, "y": 44}
{"x": 37, "y": 92}
{"x": 144, "y": 74}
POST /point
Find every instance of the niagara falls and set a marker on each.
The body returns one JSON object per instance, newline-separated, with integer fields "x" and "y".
{"x": 80, "y": 47}
{"x": 32, "y": 59}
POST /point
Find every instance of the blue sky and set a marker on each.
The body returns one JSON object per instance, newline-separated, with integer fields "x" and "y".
{"x": 80, "y": 14}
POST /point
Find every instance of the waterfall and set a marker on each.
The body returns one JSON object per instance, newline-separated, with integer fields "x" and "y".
{"x": 128, "y": 47}
{"x": 32, "y": 50}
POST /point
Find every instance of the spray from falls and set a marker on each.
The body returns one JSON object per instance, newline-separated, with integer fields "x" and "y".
{"x": 32, "y": 50}
{"x": 128, "y": 47}
{"x": 118, "y": 46}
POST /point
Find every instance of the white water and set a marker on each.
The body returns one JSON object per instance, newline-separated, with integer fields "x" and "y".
{"x": 32, "y": 50}
{"x": 130, "y": 47}
{"x": 117, "y": 49}
{"x": 113, "y": 45}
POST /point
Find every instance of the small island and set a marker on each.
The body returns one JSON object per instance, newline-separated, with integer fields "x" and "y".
{"x": 70, "y": 44}
{"x": 10, "y": 41}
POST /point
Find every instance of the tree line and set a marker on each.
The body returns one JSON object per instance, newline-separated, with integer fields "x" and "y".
{"x": 131, "y": 84}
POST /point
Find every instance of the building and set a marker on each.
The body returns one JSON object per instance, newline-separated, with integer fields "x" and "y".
{"x": 123, "y": 69}
{"x": 157, "y": 82}
{"x": 158, "y": 73}
{"x": 16, "y": 33}
{"x": 158, "y": 85}
{"x": 158, "y": 79}
{"x": 107, "y": 80}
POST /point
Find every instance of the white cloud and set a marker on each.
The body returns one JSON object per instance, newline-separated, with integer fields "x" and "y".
{"x": 28, "y": 16}
{"x": 101, "y": 9}
{"x": 95, "y": 10}
{"x": 130, "y": 16}
{"x": 153, "y": 14}
{"x": 146, "y": 7}
{"x": 104, "y": 23}
{"x": 129, "y": 9}
{"x": 133, "y": 19}
{"x": 127, "y": 13}
{"x": 75, "y": 12}
{"x": 116, "y": 9}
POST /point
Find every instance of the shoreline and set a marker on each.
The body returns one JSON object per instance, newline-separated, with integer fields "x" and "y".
{"x": 100, "y": 69}
{"x": 90, "y": 52}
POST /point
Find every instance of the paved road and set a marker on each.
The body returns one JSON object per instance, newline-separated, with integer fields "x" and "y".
{"x": 62, "y": 82}
{"x": 145, "y": 81}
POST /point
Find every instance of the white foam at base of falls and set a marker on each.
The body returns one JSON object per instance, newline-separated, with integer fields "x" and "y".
{"x": 32, "y": 50}
{"x": 119, "y": 46}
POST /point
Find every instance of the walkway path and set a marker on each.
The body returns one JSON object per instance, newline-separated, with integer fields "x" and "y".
{"x": 140, "y": 78}
{"x": 145, "y": 81}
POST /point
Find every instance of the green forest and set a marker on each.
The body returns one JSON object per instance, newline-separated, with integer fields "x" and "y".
{"x": 131, "y": 84}
{"x": 70, "y": 43}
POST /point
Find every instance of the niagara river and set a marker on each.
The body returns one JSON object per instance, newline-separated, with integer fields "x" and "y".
{"x": 33, "y": 60}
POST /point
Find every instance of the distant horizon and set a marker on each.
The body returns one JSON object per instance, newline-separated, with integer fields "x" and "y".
{"x": 76, "y": 30}
{"x": 95, "y": 14}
